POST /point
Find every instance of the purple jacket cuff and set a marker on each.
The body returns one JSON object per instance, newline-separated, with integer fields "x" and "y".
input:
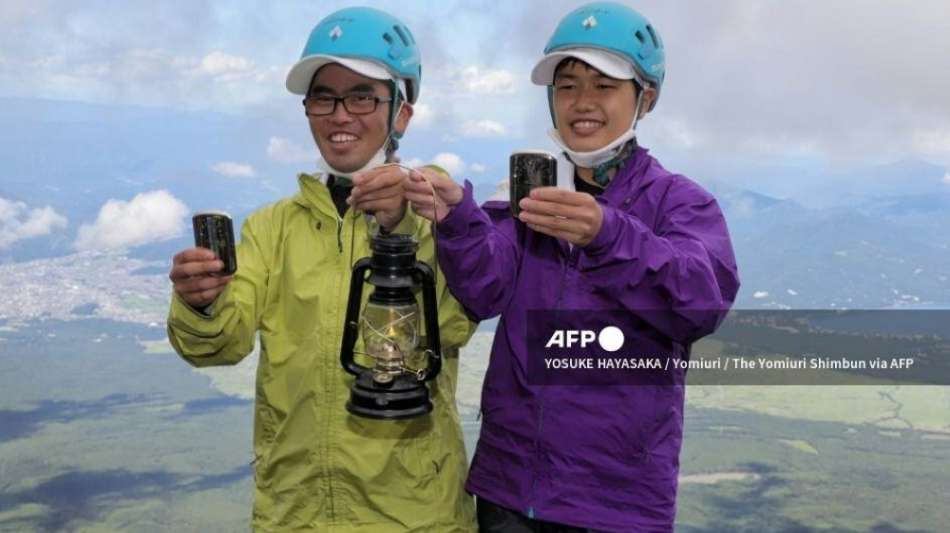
{"x": 456, "y": 223}
{"x": 612, "y": 229}
{"x": 609, "y": 229}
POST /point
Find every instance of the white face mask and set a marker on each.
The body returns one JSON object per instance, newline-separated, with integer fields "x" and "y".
{"x": 604, "y": 154}
{"x": 378, "y": 160}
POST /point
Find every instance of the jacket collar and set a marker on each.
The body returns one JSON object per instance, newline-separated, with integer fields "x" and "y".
{"x": 631, "y": 177}
{"x": 314, "y": 194}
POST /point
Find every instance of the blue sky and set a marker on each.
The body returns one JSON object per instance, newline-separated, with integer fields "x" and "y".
{"x": 750, "y": 84}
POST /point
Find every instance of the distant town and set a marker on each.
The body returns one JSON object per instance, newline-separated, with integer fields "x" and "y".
{"x": 86, "y": 284}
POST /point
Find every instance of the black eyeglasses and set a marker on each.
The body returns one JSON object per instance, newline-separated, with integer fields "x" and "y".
{"x": 356, "y": 104}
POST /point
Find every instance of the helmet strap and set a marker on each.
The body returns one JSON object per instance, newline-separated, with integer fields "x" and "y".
{"x": 392, "y": 136}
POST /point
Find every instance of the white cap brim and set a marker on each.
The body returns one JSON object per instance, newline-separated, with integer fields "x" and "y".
{"x": 609, "y": 63}
{"x": 301, "y": 74}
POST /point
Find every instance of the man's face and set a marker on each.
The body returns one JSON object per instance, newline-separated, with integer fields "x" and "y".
{"x": 347, "y": 141}
{"x": 591, "y": 109}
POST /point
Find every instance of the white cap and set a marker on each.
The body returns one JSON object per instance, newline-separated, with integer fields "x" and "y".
{"x": 608, "y": 63}
{"x": 301, "y": 74}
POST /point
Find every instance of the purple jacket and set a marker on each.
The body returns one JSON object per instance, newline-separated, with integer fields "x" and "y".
{"x": 605, "y": 458}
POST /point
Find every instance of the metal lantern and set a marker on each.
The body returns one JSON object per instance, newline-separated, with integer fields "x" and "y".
{"x": 390, "y": 328}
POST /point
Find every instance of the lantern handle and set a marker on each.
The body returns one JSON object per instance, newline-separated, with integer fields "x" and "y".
{"x": 433, "y": 343}
{"x": 351, "y": 324}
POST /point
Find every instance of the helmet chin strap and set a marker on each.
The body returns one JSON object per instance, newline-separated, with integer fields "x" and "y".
{"x": 602, "y": 159}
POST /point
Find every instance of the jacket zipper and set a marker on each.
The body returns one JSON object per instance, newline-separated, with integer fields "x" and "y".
{"x": 347, "y": 264}
{"x": 560, "y": 289}
{"x": 339, "y": 234}
{"x": 537, "y": 455}
{"x": 537, "y": 438}
{"x": 343, "y": 292}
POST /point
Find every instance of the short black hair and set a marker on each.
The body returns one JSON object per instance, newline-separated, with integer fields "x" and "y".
{"x": 568, "y": 62}
{"x": 391, "y": 85}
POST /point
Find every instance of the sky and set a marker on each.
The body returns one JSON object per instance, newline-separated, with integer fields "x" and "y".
{"x": 844, "y": 82}
{"x": 839, "y": 79}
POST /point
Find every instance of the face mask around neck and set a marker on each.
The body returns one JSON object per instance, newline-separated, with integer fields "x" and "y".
{"x": 597, "y": 157}
{"x": 346, "y": 177}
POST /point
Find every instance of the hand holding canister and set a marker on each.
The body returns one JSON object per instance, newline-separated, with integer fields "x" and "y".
{"x": 201, "y": 273}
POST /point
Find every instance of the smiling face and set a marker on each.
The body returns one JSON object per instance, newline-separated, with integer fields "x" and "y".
{"x": 347, "y": 141}
{"x": 592, "y": 109}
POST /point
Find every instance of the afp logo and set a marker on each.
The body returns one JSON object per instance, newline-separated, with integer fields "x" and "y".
{"x": 610, "y": 338}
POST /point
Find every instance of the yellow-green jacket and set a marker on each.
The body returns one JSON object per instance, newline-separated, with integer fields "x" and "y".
{"x": 319, "y": 468}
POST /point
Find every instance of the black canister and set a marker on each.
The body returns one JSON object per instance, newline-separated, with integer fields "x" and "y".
{"x": 215, "y": 231}
{"x": 529, "y": 170}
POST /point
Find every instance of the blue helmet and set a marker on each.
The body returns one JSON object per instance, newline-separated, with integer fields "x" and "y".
{"x": 610, "y": 27}
{"x": 360, "y": 33}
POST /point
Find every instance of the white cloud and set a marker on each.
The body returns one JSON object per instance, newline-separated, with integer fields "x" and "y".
{"x": 423, "y": 116}
{"x": 483, "y": 128}
{"x": 415, "y": 162}
{"x": 287, "y": 151}
{"x": 228, "y": 68}
{"x": 149, "y": 217}
{"x": 473, "y": 80}
{"x": 18, "y": 222}
{"x": 157, "y": 75}
{"x": 224, "y": 66}
{"x": 447, "y": 160}
{"x": 452, "y": 163}
{"x": 674, "y": 131}
{"x": 234, "y": 170}
{"x": 18, "y": 12}
{"x": 934, "y": 142}
{"x": 149, "y": 64}
{"x": 760, "y": 294}
{"x": 946, "y": 178}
